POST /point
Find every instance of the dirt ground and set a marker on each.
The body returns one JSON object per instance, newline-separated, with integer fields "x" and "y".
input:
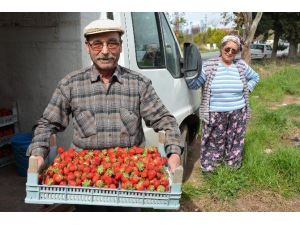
{"x": 287, "y": 99}
{"x": 260, "y": 201}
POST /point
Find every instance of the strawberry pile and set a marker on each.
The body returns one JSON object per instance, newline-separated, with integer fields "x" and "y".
{"x": 133, "y": 168}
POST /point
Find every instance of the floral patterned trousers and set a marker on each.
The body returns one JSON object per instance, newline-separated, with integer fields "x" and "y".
{"x": 222, "y": 140}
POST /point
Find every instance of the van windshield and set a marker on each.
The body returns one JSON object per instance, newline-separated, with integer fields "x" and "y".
{"x": 255, "y": 46}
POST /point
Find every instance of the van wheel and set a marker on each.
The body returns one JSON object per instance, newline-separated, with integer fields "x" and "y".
{"x": 184, "y": 156}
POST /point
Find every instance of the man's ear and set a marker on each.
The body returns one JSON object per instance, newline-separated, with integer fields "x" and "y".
{"x": 121, "y": 44}
{"x": 87, "y": 47}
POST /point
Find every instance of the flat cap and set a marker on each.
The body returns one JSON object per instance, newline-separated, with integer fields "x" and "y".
{"x": 102, "y": 26}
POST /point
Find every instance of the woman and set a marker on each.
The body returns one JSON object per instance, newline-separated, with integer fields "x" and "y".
{"x": 225, "y": 105}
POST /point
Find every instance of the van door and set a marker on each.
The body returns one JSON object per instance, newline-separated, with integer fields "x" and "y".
{"x": 154, "y": 51}
{"x": 268, "y": 51}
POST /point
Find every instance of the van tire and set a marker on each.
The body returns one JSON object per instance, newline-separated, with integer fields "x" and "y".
{"x": 184, "y": 155}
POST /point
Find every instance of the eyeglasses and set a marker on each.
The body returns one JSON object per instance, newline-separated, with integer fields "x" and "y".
{"x": 98, "y": 45}
{"x": 232, "y": 50}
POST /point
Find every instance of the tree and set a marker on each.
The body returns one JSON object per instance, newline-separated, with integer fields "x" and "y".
{"x": 282, "y": 25}
{"x": 201, "y": 38}
{"x": 291, "y": 27}
{"x": 270, "y": 24}
{"x": 178, "y": 21}
{"x": 215, "y": 36}
{"x": 249, "y": 29}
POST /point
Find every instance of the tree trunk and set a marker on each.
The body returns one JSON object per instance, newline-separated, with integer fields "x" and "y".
{"x": 250, "y": 28}
{"x": 246, "y": 53}
{"x": 275, "y": 44}
{"x": 293, "y": 49}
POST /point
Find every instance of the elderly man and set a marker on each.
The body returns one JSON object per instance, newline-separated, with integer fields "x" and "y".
{"x": 107, "y": 102}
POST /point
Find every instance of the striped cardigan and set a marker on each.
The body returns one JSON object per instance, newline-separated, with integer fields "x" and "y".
{"x": 210, "y": 68}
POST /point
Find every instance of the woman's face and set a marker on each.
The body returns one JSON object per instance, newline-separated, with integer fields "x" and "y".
{"x": 229, "y": 51}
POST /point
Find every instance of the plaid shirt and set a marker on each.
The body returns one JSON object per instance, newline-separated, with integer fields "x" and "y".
{"x": 105, "y": 117}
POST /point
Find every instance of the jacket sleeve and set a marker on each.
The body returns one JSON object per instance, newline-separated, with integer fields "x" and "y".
{"x": 159, "y": 118}
{"x": 252, "y": 77}
{"x": 54, "y": 119}
{"x": 196, "y": 82}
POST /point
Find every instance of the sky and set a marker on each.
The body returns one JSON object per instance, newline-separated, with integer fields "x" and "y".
{"x": 203, "y": 19}
{"x": 213, "y": 18}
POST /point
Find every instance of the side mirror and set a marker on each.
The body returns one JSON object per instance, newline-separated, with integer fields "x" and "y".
{"x": 192, "y": 64}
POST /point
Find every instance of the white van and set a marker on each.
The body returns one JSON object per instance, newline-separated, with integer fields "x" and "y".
{"x": 260, "y": 51}
{"x": 151, "y": 48}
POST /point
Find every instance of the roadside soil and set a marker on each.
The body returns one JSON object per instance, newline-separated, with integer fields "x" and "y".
{"x": 287, "y": 100}
{"x": 294, "y": 135}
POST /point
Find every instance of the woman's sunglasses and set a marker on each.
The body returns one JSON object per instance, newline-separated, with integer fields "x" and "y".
{"x": 232, "y": 50}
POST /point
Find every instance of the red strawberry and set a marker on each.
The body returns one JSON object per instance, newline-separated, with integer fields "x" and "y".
{"x": 113, "y": 186}
{"x": 151, "y": 174}
{"x": 71, "y": 176}
{"x": 72, "y": 183}
{"x": 164, "y": 181}
{"x": 140, "y": 186}
{"x": 63, "y": 183}
{"x": 95, "y": 178}
{"x": 57, "y": 178}
{"x": 60, "y": 150}
{"x": 49, "y": 181}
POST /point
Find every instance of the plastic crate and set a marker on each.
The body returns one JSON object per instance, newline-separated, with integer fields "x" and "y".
{"x": 7, "y": 120}
{"x": 55, "y": 194}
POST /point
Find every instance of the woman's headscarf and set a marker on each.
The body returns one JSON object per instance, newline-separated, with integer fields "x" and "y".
{"x": 232, "y": 38}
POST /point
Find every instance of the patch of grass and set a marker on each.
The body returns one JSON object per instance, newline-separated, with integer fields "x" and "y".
{"x": 225, "y": 183}
{"x": 190, "y": 191}
{"x": 265, "y": 131}
{"x": 286, "y": 163}
{"x": 290, "y": 110}
{"x": 273, "y": 88}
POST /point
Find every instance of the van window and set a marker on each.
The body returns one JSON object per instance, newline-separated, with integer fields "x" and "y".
{"x": 148, "y": 47}
{"x": 171, "y": 49}
{"x": 255, "y": 46}
{"x": 269, "y": 47}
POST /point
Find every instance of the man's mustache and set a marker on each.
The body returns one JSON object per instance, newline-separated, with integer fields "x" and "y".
{"x": 105, "y": 58}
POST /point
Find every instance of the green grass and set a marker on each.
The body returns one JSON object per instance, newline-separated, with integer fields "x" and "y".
{"x": 278, "y": 171}
{"x": 190, "y": 191}
{"x": 273, "y": 88}
{"x": 226, "y": 183}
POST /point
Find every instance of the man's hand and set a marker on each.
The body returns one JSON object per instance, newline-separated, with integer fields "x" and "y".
{"x": 174, "y": 162}
{"x": 41, "y": 162}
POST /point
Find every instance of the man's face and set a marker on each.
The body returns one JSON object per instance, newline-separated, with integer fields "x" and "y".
{"x": 104, "y": 50}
